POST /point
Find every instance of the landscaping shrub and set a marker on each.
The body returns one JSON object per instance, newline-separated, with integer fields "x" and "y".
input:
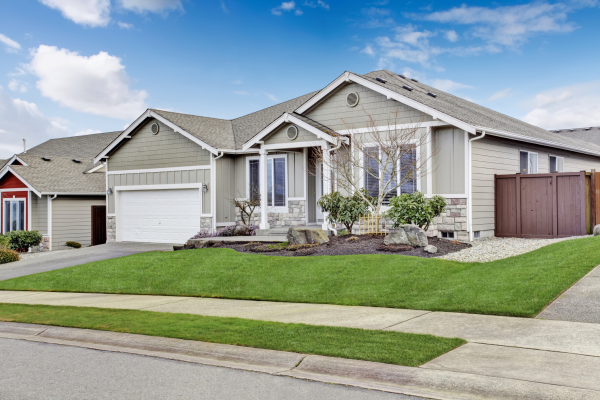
{"x": 23, "y": 240}
{"x": 415, "y": 208}
{"x": 4, "y": 242}
{"x": 244, "y": 230}
{"x": 7, "y": 255}
{"x": 343, "y": 209}
{"x": 74, "y": 245}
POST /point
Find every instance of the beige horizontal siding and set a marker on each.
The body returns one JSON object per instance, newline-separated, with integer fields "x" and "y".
{"x": 39, "y": 214}
{"x": 167, "y": 149}
{"x": 72, "y": 220}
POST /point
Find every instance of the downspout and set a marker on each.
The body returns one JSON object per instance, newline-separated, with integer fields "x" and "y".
{"x": 50, "y": 220}
{"x": 470, "y": 183}
{"x": 213, "y": 193}
{"x": 328, "y": 151}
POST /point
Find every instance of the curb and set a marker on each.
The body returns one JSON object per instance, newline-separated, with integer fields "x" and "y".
{"x": 436, "y": 384}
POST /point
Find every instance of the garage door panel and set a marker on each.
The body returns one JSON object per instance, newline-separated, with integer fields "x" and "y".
{"x": 164, "y": 216}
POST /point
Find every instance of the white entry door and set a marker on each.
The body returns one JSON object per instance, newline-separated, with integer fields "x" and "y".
{"x": 319, "y": 191}
{"x": 159, "y": 216}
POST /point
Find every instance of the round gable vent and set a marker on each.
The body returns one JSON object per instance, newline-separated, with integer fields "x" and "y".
{"x": 352, "y": 99}
{"x": 292, "y": 132}
{"x": 154, "y": 128}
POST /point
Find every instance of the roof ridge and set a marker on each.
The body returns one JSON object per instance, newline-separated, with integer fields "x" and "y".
{"x": 191, "y": 115}
{"x": 278, "y": 104}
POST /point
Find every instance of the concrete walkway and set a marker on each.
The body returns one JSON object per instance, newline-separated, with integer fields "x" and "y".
{"x": 534, "y": 350}
{"x": 581, "y": 303}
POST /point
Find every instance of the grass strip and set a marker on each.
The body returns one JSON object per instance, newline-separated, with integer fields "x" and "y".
{"x": 358, "y": 344}
{"x": 517, "y": 286}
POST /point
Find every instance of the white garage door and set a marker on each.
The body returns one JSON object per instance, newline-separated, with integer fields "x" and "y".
{"x": 159, "y": 216}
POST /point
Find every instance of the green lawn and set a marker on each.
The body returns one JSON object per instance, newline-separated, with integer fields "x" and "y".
{"x": 519, "y": 286}
{"x": 359, "y": 344}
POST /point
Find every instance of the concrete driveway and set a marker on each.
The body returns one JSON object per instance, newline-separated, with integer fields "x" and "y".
{"x": 71, "y": 258}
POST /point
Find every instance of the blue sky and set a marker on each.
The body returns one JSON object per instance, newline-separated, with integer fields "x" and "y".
{"x": 74, "y": 66}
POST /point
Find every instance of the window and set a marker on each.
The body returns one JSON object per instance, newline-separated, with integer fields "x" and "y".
{"x": 557, "y": 164}
{"x": 447, "y": 235}
{"x": 14, "y": 215}
{"x": 373, "y": 171}
{"x": 528, "y": 162}
{"x": 276, "y": 180}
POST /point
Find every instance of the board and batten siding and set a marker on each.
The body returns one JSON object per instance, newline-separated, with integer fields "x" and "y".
{"x": 279, "y": 136}
{"x": 225, "y": 187}
{"x": 492, "y": 155}
{"x": 161, "y": 178}
{"x": 72, "y": 220}
{"x": 334, "y": 113}
{"x": 39, "y": 214}
{"x": 448, "y": 162}
{"x": 166, "y": 149}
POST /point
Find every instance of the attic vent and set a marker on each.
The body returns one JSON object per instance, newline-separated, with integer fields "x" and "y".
{"x": 402, "y": 76}
{"x": 292, "y": 132}
{"x": 45, "y": 158}
{"x": 352, "y": 99}
{"x": 76, "y": 161}
{"x": 571, "y": 130}
{"x": 154, "y": 128}
{"x": 381, "y": 80}
{"x": 587, "y": 129}
{"x": 431, "y": 94}
{"x": 407, "y": 88}
{"x": 414, "y": 80}
{"x": 558, "y": 130}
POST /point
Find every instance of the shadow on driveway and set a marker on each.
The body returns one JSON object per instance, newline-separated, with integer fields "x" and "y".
{"x": 71, "y": 258}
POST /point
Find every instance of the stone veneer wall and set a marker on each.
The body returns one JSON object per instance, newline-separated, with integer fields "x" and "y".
{"x": 296, "y": 215}
{"x": 111, "y": 227}
{"x": 453, "y": 219}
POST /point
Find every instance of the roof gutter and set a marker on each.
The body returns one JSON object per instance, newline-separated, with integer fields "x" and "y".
{"x": 470, "y": 183}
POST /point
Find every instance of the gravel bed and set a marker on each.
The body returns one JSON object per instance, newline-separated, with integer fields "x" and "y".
{"x": 493, "y": 248}
{"x": 25, "y": 256}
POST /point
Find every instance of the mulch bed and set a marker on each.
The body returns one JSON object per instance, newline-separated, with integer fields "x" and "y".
{"x": 346, "y": 245}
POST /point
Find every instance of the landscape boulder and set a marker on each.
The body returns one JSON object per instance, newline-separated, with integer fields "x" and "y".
{"x": 306, "y": 236}
{"x": 597, "y": 230}
{"x": 430, "y": 249}
{"x": 407, "y": 234}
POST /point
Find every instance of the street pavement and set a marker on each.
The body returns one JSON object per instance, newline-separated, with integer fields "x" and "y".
{"x": 30, "y": 370}
{"x": 70, "y": 258}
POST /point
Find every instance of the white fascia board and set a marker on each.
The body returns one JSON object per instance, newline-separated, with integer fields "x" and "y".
{"x": 282, "y": 146}
{"x": 393, "y": 127}
{"x": 16, "y": 157}
{"x": 74, "y": 194}
{"x": 264, "y": 132}
{"x": 173, "y": 186}
{"x": 96, "y": 168}
{"x": 543, "y": 142}
{"x": 142, "y": 118}
{"x": 9, "y": 169}
{"x": 350, "y": 77}
{"x": 172, "y": 169}
{"x": 312, "y": 129}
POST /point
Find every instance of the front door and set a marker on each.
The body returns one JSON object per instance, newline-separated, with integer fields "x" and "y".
{"x": 319, "y": 190}
{"x": 98, "y": 225}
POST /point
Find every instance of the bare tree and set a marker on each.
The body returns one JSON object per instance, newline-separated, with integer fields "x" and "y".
{"x": 248, "y": 205}
{"x": 383, "y": 159}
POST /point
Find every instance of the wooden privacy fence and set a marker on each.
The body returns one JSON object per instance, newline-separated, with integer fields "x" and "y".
{"x": 545, "y": 205}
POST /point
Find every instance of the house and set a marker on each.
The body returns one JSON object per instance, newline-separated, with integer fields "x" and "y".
{"x": 58, "y": 190}
{"x": 170, "y": 175}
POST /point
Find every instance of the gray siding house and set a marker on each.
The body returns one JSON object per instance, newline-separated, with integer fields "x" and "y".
{"x": 170, "y": 175}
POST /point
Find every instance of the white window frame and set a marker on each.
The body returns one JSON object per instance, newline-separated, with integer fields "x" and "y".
{"x": 25, "y": 223}
{"x": 529, "y": 153}
{"x": 272, "y": 209}
{"x": 557, "y": 157}
{"x": 361, "y": 182}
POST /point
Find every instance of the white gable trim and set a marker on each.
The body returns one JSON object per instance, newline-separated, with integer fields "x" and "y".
{"x": 138, "y": 122}
{"x": 9, "y": 169}
{"x": 16, "y": 157}
{"x": 288, "y": 118}
{"x": 350, "y": 77}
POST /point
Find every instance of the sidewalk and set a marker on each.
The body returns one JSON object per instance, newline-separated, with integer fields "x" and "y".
{"x": 560, "y": 353}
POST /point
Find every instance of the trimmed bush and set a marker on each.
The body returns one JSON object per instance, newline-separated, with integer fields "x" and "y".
{"x": 22, "y": 240}
{"x": 415, "y": 208}
{"x": 344, "y": 210}
{"x": 8, "y": 255}
{"x": 74, "y": 245}
{"x": 4, "y": 242}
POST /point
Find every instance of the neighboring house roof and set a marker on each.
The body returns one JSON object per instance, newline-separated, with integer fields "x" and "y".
{"x": 589, "y": 134}
{"x": 84, "y": 146}
{"x": 59, "y": 175}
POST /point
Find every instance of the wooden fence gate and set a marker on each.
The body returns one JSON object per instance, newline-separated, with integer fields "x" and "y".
{"x": 545, "y": 205}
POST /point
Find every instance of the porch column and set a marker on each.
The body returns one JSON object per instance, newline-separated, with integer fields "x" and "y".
{"x": 264, "y": 216}
{"x": 326, "y": 179}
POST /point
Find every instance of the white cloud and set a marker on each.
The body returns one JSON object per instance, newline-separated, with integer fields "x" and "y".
{"x": 155, "y": 6}
{"x": 571, "y": 106}
{"x": 319, "y": 3}
{"x": 17, "y": 86}
{"x": 271, "y": 97}
{"x": 451, "y": 35}
{"x": 125, "y": 25}
{"x": 285, "y": 6}
{"x": 448, "y": 85}
{"x": 368, "y": 50}
{"x": 97, "y": 84}
{"x": 224, "y": 7}
{"x": 88, "y": 132}
{"x": 11, "y": 45}
{"x": 20, "y": 119}
{"x": 236, "y": 82}
{"x": 240, "y": 92}
{"x": 508, "y": 25}
{"x": 508, "y": 92}
{"x": 83, "y": 12}
{"x": 298, "y": 12}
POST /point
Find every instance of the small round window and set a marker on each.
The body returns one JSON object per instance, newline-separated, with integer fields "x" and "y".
{"x": 154, "y": 128}
{"x": 292, "y": 132}
{"x": 352, "y": 99}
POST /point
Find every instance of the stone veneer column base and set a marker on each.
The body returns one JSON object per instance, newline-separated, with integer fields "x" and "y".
{"x": 296, "y": 216}
{"x": 111, "y": 229}
{"x": 453, "y": 219}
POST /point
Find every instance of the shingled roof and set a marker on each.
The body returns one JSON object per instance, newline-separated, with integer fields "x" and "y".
{"x": 590, "y": 134}
{"x": 84, "y": 146}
